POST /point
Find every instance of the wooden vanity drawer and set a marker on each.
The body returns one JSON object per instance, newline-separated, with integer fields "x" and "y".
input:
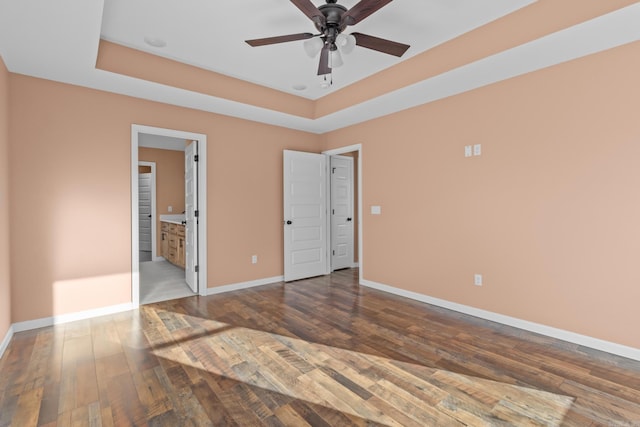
{"x": 173, "y": 241}
{"x": 164, "y": 226}
{"x": 180, "y": 230}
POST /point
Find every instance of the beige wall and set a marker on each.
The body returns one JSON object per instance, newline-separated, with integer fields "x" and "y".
{"x": 71, "y": 241}
{"x": 548, "y": 214}
{"x": 169, "y": 181}
{"x": 5, "y": 277}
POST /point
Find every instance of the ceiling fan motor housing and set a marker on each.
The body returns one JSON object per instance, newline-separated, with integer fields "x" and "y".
{"x": 333, "y": 24}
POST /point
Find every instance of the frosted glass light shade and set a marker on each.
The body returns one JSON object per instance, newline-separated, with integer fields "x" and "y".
{"x": 313, "y": 46}
{"x": 336, "y": 59}
{"x": 346, "y": 43}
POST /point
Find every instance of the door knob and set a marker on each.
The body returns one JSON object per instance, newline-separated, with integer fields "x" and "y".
{"x": 289, "y": 222}
{"x": 348, "y": 219}
{"x": 149, "y": 215}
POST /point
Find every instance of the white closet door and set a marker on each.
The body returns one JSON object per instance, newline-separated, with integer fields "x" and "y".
{"x": 305, "y": 210}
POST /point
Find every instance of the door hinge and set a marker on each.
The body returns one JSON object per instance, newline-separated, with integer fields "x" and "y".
{"x": 197, "y": 268}
{"x": 196, "y": 214}
{"x": 334, "y": 253}
{"x": 333, "y": 170}
{"x": 333, "y": 211}
{"x": 195, "y": 158}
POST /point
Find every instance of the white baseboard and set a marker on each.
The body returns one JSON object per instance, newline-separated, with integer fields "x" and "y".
{"x": 71, "y": 317}
{"x": 595, "y": 343}
{"x": 5, "y": 342}
{"x": 157, "y": 258}
{"x": 355, "y": 265}
{"x": 244, "y": 285}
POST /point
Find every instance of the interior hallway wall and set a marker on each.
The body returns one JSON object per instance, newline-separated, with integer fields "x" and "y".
{"x": 548, "y": 214}
{"x": 169, "y": 182}
{"x": 5, "y": 276}
{"x": 72, "y": 207}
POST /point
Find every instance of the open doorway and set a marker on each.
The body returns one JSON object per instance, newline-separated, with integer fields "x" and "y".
{"x": 306, "y": 223}
{"x": 345, "y": 197}
{"x": 178, "y": 265}
{"x": 342, "y": 211}
{"x": 147, "y": 210}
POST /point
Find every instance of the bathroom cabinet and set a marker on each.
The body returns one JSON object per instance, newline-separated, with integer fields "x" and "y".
{"x": 172, "y": 246}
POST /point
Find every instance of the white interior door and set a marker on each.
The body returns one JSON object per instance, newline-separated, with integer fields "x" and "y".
{"x": 191, "y": 213}
{"x": 305, "y": 215}
{"x": 341, "y": 212}
{"x": 145, "y": 216}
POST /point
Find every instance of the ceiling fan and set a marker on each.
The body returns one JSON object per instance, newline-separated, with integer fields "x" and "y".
{"x": 331, "y": 19}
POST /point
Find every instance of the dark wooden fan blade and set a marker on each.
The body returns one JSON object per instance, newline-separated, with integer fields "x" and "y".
{"x": 310, "y": 10}
{"x": 323, "y": 67}
{"x": 381, "y": 45}
{"x": 363, "y": 9}
{"x": 278, "y": 39}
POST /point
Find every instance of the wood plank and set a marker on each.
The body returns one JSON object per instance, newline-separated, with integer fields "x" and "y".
{"x": 321, "y": 351}
{"x": 28, "y": 408}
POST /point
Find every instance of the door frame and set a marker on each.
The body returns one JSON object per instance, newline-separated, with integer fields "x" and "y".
{"x": 330, "y": 198}
{"x": 136, "y": 130}
{"x": 154, "y": 211}
{"x": 344, "y": 150}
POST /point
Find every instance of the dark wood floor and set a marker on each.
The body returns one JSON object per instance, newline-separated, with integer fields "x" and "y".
{"x": 320, "y": 352}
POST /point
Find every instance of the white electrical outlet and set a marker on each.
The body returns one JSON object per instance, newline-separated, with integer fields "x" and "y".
{"x": 477, "y": 149}
{"x": 254, "y": 259}
{"x": 467, "y": 151}
{"x": 477, "y": 279}
{"x": 170, "y": 209}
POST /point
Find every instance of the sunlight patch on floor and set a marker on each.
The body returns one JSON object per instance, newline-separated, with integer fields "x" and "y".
{"x": 375, "y": 388}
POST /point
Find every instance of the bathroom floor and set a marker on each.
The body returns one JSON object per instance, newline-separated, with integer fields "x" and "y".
{"x": 161, "y": 281}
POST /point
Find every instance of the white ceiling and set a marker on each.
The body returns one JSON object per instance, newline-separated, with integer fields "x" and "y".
{"x": 58, "y": 40}
{"x": 162, "y": 142}
{"x": 211, "y": 34}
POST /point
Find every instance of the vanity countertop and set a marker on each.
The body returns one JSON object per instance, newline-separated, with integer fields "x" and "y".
{"x": 173, "y": 219}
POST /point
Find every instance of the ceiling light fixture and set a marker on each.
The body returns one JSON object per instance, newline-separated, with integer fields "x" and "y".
{"x": 336, "y": 58}
{"x": 331, "y": 19}
{"x": 346, "y": 43}
{"x": 313, "y": 46}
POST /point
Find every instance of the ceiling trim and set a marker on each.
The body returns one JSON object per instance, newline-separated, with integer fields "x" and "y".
{"x": 604, "y": 32}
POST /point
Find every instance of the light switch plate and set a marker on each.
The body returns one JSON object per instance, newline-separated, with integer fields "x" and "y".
{"x": 467, "y": 151}
{"x": 477, "y": 149}
{"x": 376, "y": 210}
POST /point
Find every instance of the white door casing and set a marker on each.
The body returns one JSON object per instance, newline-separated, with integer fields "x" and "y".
{"x": 305, "y": 215}
{"x": 341, "y": 172}
{"x": 145, "y": 218}
{"x": 136, "y": 132}
{"x": 355, "y": 148}
{"x": 191, "y": 209}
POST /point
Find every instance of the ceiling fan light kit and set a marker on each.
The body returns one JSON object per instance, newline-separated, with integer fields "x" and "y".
{"x": 313, "y": 46}
{"x": 336, "y": 59}
{"x": 331, "y": 19}
{"x": 346, "y": 43}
